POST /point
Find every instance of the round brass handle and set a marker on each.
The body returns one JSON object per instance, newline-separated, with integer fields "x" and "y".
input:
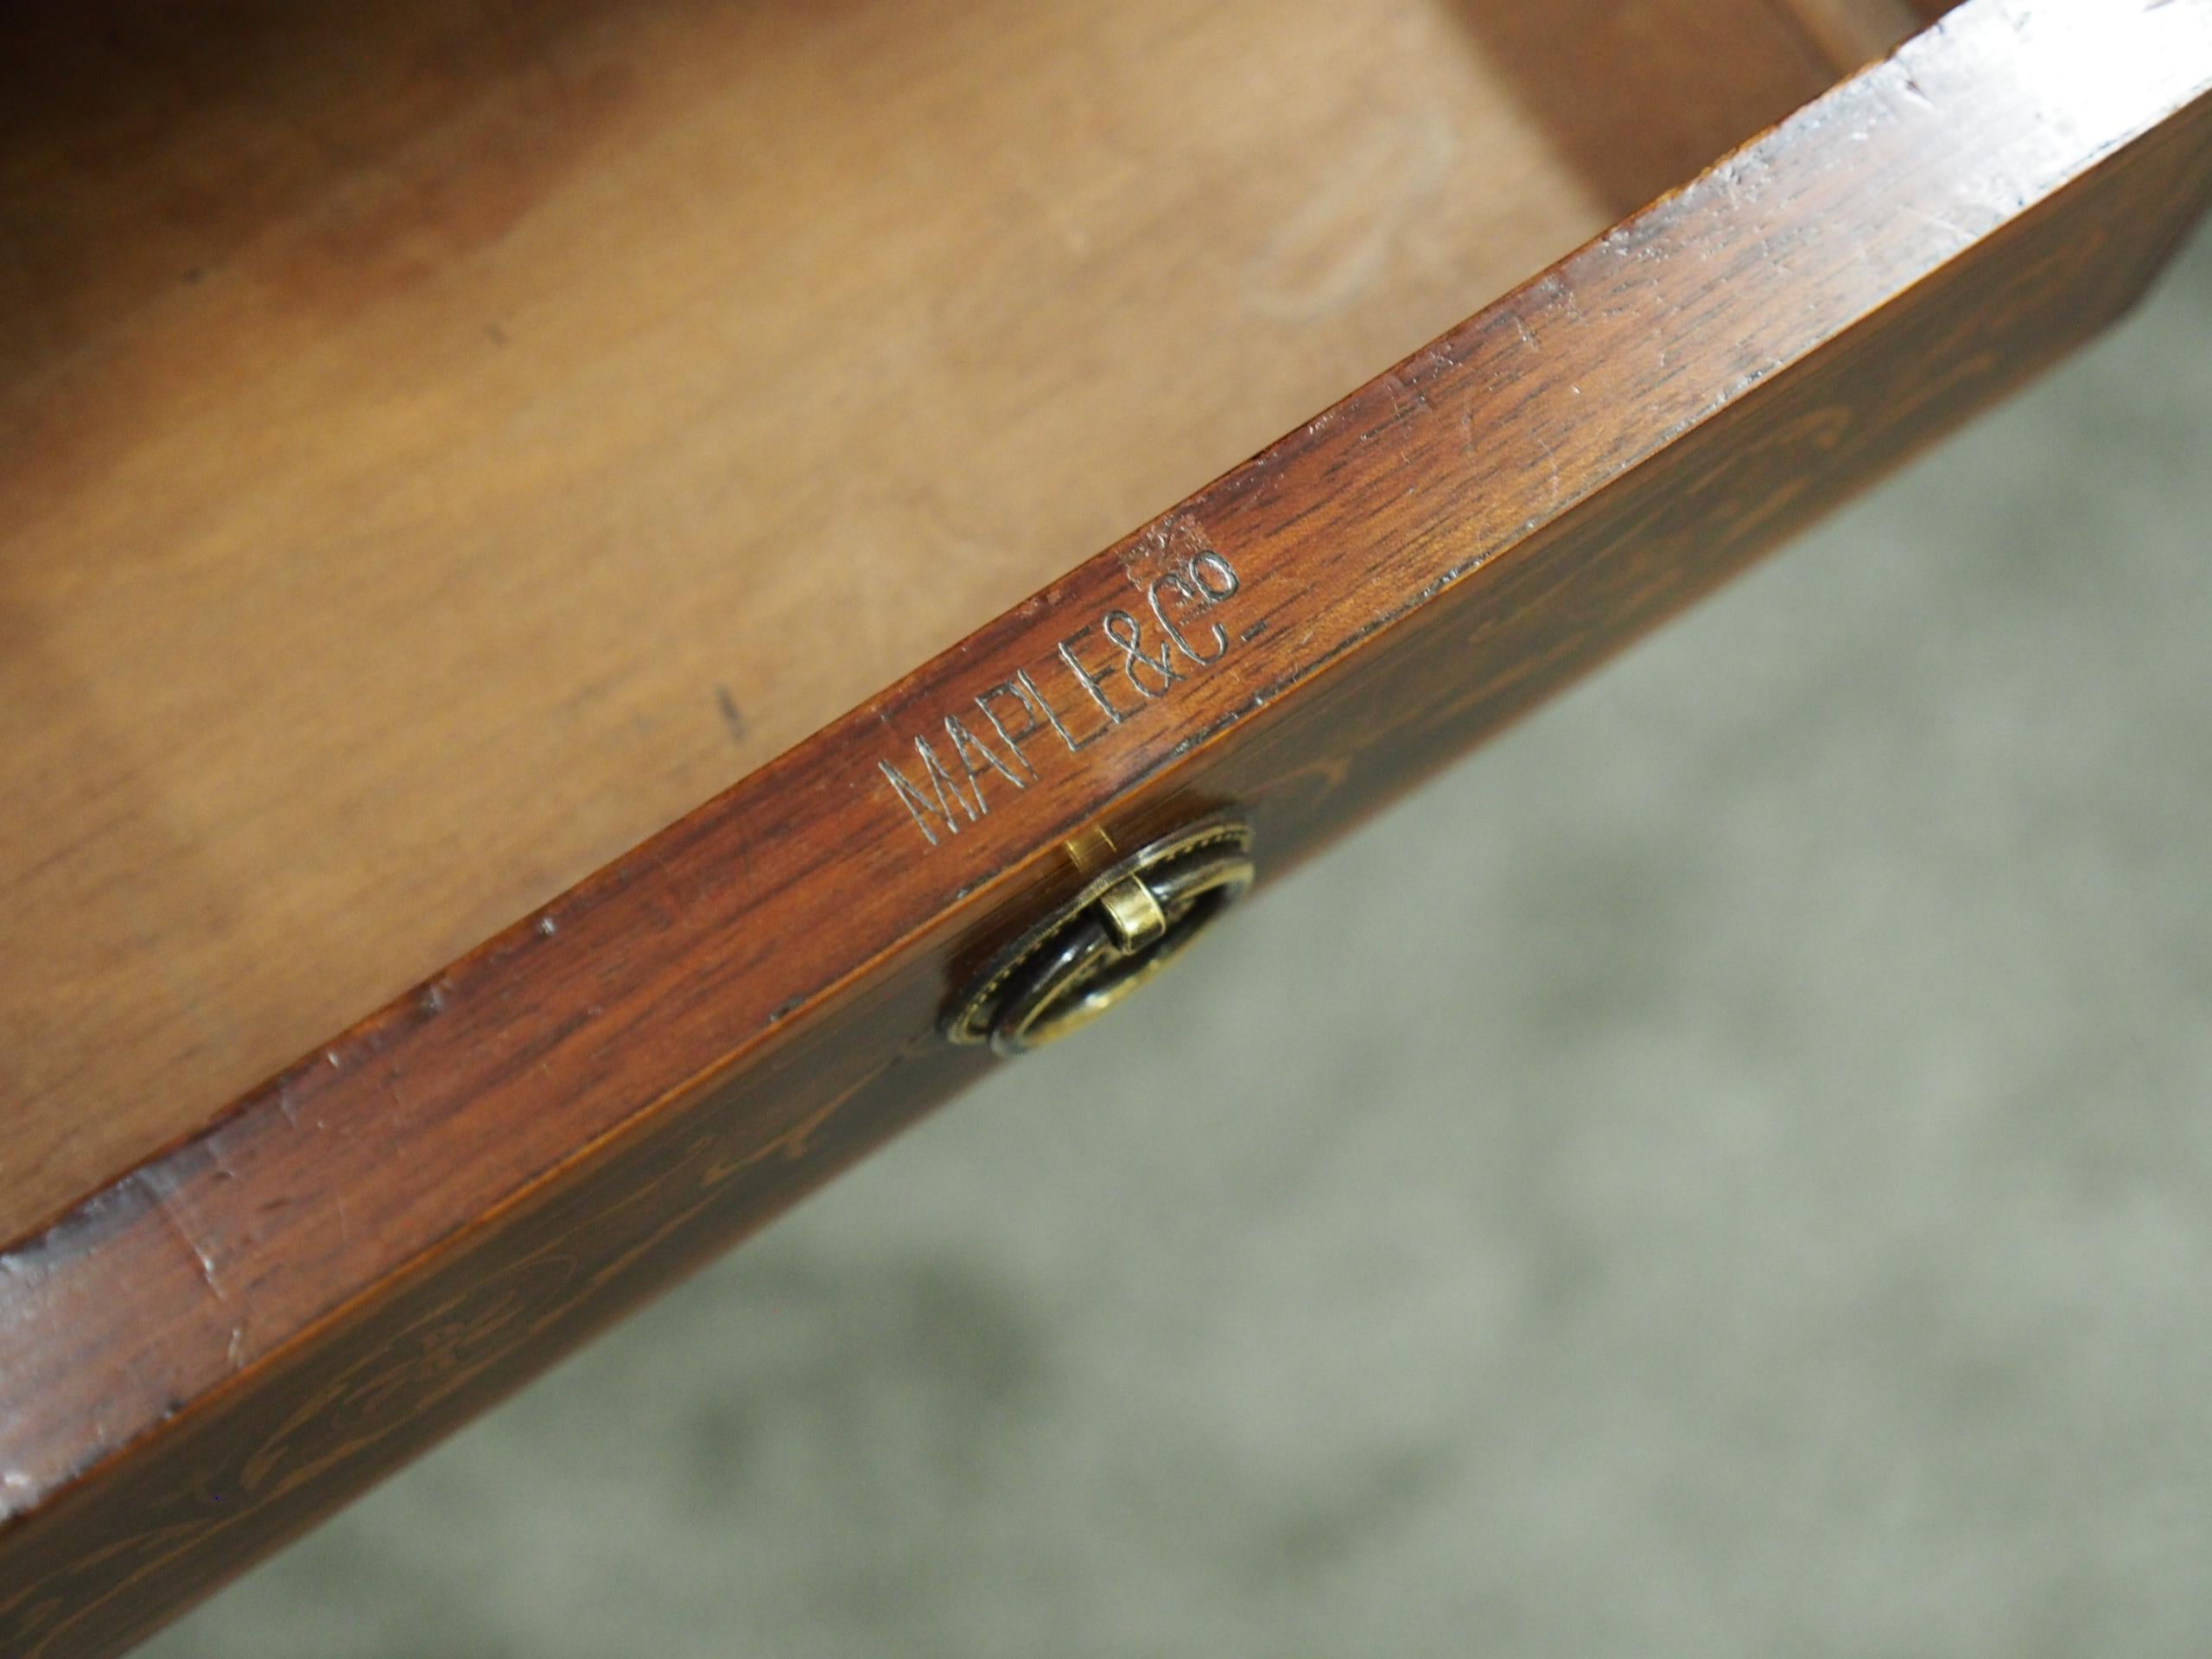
{"x": 1126, "y": 924}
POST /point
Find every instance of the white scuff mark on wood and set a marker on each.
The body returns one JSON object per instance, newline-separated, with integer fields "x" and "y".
{"x": 170, "y": 1203}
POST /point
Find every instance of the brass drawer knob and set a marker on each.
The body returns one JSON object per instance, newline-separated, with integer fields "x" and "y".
{"x": 1126, "y": 924}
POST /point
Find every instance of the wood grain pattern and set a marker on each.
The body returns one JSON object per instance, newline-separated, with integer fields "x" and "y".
{"x": 444, "y": 444}
{"x": 222, "y": 1346}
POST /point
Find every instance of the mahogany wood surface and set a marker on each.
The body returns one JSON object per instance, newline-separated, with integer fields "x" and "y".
{"x": 443, "y": 444}
{"x": 203, "y": 1357}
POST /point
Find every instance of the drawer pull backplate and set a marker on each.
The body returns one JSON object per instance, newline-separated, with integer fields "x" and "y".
{"x": 1126, "y": 924}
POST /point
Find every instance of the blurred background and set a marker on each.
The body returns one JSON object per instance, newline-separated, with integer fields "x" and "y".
{"x": 1725, "y": 1170}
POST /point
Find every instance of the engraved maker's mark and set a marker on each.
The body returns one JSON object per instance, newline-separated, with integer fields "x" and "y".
{"x": 1102, "y": 674}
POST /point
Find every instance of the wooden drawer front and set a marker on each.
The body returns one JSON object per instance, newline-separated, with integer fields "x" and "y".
{"x": 233, "y": 1337}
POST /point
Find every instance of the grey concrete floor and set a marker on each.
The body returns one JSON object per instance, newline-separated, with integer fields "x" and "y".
{"x": 1726, "y": 1170}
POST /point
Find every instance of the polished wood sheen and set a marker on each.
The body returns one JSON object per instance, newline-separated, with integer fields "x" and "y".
{"x": 236, "y": 1335}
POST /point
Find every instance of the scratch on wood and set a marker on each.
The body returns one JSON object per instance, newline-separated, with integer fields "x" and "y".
{"x": 162, "y": 1188}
